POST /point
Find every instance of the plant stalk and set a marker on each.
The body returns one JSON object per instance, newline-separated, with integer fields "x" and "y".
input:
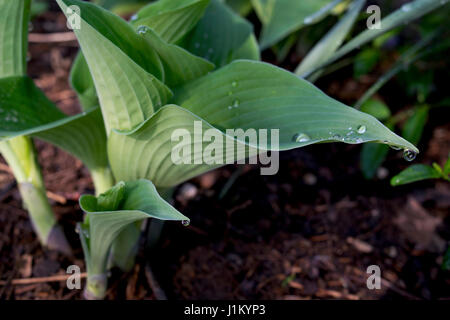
{"x": 20, "y": 155}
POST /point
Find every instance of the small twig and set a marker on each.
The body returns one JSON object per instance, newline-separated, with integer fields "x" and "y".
{"x": 56, "y": 197}
{"x": 157, "y": 291}
{"x": 57, "y": 278}
{"x": 52, "y": 37}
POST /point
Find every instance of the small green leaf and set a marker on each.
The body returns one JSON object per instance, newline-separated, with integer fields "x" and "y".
{"x": 415, "y": 173}
{"x": 413, "y": 129}
{"x": 82, "y": 82}
{"x": 376, "y": 108}
{"x": 135, "y": 201}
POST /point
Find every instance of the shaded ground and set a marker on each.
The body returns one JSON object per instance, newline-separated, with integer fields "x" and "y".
{"x": 309, "y": 232}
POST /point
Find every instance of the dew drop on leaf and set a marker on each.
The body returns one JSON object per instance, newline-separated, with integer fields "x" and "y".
{"x": 142, "y": 30}
{"x": 185, "y": 223}
{"x": 234, "y": 84}
{"x": 301, "y": 137}
{"x": 409, "y": 155}
{"x": 362, "y": 129}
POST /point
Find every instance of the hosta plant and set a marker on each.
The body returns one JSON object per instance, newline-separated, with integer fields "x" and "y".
{"x": 176, "y": 65}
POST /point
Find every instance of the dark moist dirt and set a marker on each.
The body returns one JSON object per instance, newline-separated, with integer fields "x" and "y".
{"x": 309, "y": 232}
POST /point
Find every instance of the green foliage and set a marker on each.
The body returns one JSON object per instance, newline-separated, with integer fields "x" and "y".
{"x": 419, "y": 172}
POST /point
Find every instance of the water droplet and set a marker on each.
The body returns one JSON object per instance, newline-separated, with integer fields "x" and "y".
{"x": 301, "y": 137}
{"x": 236, "y": 103}
{"x": 185, "y": 223}
{"x": 142, "y": 30}
{"x": 359, "y": 140}
{"x": 406, "y": 7}
{"x": 350, "y": 133}
{"x": 234, "y": 84}
{"x": 337, "y": 137}
{"x": 409, "y": 155}
{"x": 308, "y": 20}
{"x": 350, "y": 128}
{"x": 134, "y": 17}
{"x": 362, "y": 129}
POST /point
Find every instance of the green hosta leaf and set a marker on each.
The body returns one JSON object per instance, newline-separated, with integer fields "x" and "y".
{"x": 171, "y": 19}
{"x": 179, "y": 65}
{"x": 245, "y": 95}
{"x": 82, "y": 82}
{"x": 377, "y": 109}
{"x": 415, "y": 173}
{"x": 281, "y": 17}
{"x": 218, "y": 34}
{"x": 124, "y": 67}
{"x": 25, "y": 110}
{"x": 372, "y": 157}
{"x": 413, "y": 129}
{"x": 325, "y": 48}
{"x": 13, "y": 37}
{"x": 124, "y": 204}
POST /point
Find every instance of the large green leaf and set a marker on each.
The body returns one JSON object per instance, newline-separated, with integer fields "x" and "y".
{"x": 14, "y": 17}
{"x": 171, "y": 19}
{"x": 25, "y": 110}
{"x": 179, "y": 65}
{"x": 325, "y": 48}
{"x": 125, "y": 69}
{"x": 245, "y": 95}
{"x": 219, "y": 34}
{"x": 111, "y": 212}
{"x": 281, "y": 17}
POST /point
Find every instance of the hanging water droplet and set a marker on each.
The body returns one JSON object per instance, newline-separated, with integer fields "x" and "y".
{"x": 185, "y": 223}
{"x": 409, "y": 155}
{"x": 142, "y": 30}
{"x": 301, "y": 137}
{"x": 234, "y": 84}
{"x": 362, "y": 129}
